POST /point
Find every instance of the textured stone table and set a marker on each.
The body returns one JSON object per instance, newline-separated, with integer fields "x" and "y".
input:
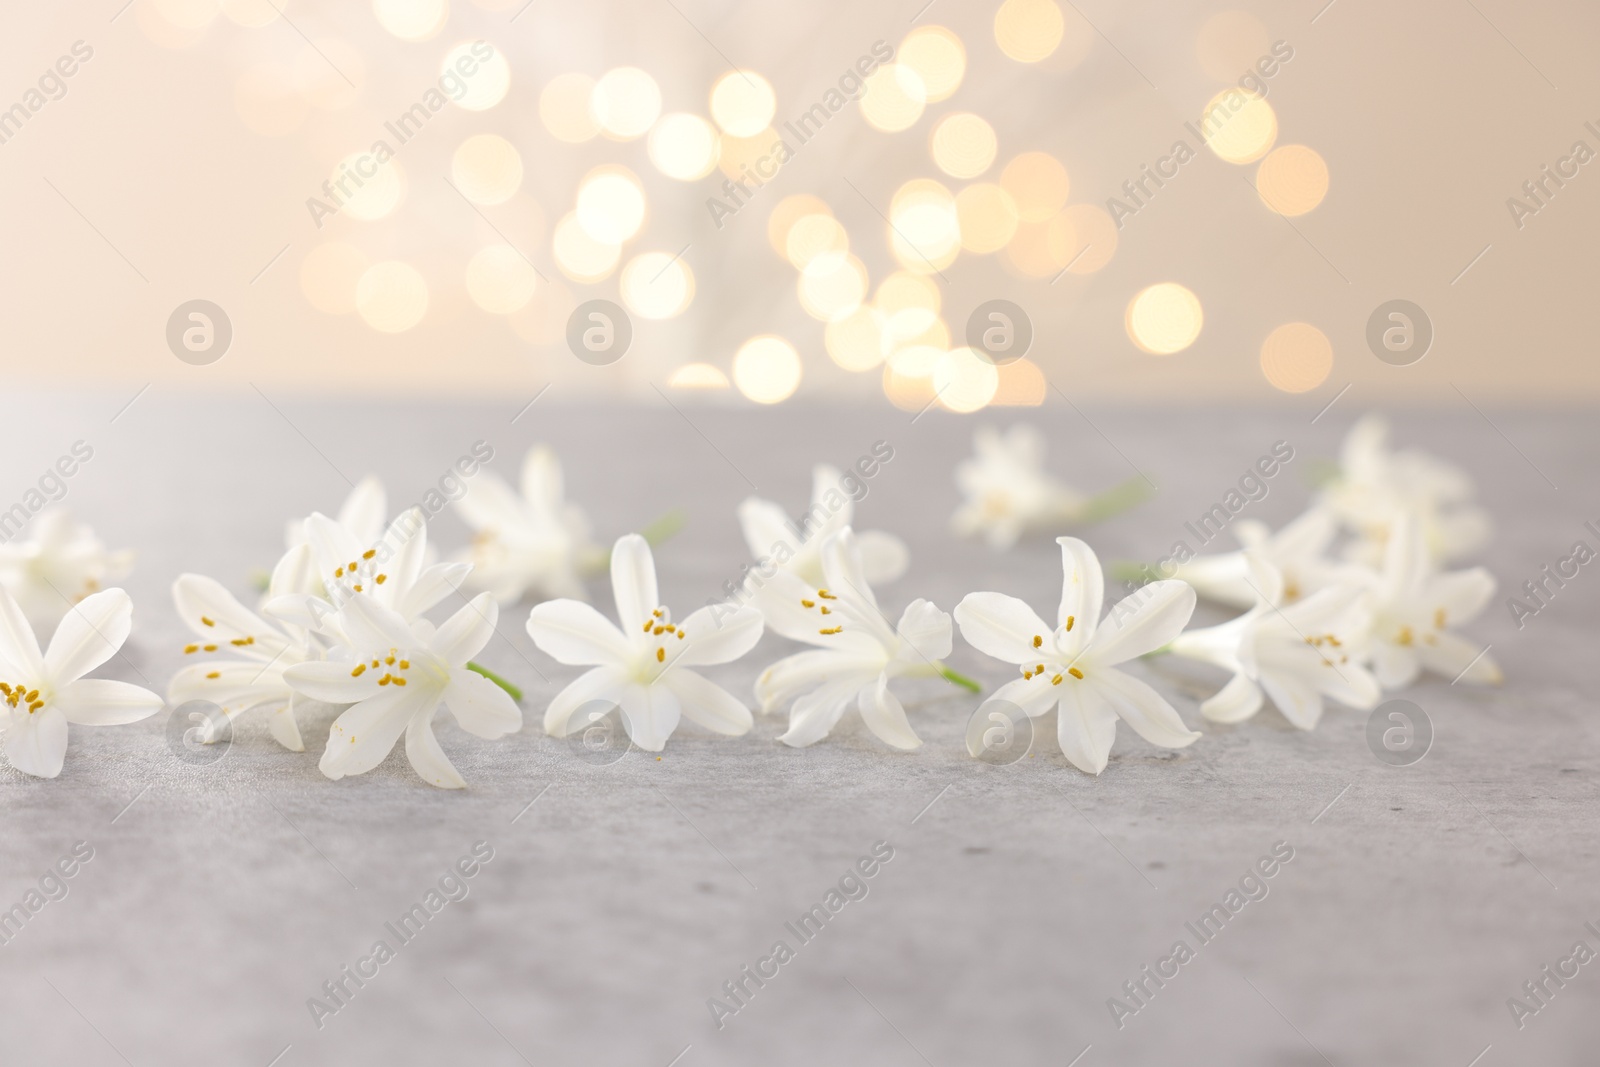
{"x": 1018, "y": 900}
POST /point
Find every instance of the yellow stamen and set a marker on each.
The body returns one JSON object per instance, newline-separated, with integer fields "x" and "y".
{"x": 361, "y": 668}
{"x": 369, "y": 553}
{"x": 1405, "y": 636}
{"x": 358, "y": 587}
{"x": 214, "y": 674}
{"x": 661, "y": 655}
{"x": 1056, "y": 680}
{"x": 207, "y": 621}
{"x": 380, "y": 579}
{"x": 399, "y": 681}
{"x": 1075, "y": 672}
{"x": 827, "y": 610}
{"x": 384, "y": 680}
{"x": 1038, "y": 642}
{"x": 209, "y": 648}
{"x": 1070, "y": 620}
{"x": 825, "y": 595}
{"x": 808, "y": 603}
{"x": 405, "y": 665}
{"x": 647, "y": 625}
{"x": 190, "y": 649}
{"x": 834, "y": 630}
{"x": 338, "y": 572}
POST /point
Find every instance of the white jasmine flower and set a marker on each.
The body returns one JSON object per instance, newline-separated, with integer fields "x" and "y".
{"x": 1296, "y": 652}
{"x": 1298, "y": 552}
{"x": 1414, "y": 608}
{"x": 1073, "y": 665}
{"x": 41, "y": 694}
{"x": 860, "y": 651}
{"x": 60, "y": 564}
{"x": 797, "y": 547}
{"x": 394, "y": 674}
{"x": 1376, "y": 486}
{"x": 255, "y": 652}
{"x": 642, "y": 667}
{"x": 1009, "y": 493}
{"x": 533, "y": 542}
{"x": 362, "y": 514}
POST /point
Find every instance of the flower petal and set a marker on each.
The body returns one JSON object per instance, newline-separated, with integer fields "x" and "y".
{"x": 1462, "y": 595}
{"x": 633, "y": 582}
{"x": 1235, "y": 702}
{"x": 238, "y": 685}
{"x": 601, "y": 686}
{"x": 650, "y": 713}
{"x": 789, "y": 677}
{"x": 1082, "y": 594}
{"x": 363, "y": 511}
{"x": 816, "y": 713}
{"x": 482, "y": 708}
{"x": 1034, "y": 696}
{"x": 1142, "y": 708}
{"x": 464, "y": 634}
{"x": 1396, "y": 666}
{"x": 326, "y": 680}
{"x": 89, "y": 635}
{"x": 1143, "y": 622}
{"x": 1450, "y": 654}
{"x": 491, "y": 505}
{"x": 332, "y": 544}
{"x": 370, "y": 626}
{"x": 572, "y": 632}
{"x": 36, "y": 744}
{"x": 1000, "y": 626}
{"x": 285, "y": 730}
{"x": 841, "y": 567}
{"x": 199, "y": 598}
{"x": 766, "y": 528}
{"x": 432, "y": 585}
{"x": 1295, "y": 696}
{"x": 427, "y": 758}
{"x": 713, "y": 640}
{"x": 708, "y": 704}
{"x": 886, "y": 716}
{"x": 542, "y": 481}
{"x": 295, "y": 573}
{"x": 102, "y": 702}
{"x": 926, "y": 630}
{"x": 19, "y": 648}
{"x": 365, "y": 734}
{"x": 779, "y": 600}
{"x": 884, "y": 557}
{"x": 1086, "y": 725}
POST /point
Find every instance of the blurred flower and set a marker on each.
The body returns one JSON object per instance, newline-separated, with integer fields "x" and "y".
{"x": 41, "y": 694}
{"x": 1298, "y": 553}
{"x": 796, "y": 548}
{"x": 860, "y": 652}
{"x": 642, "y": 667}
{"x": 534, "y": 542}
{"x": 1073, "y": 666}
{"x": 362, "y": 514}
{"x": 61, "y": 564}
{"x": 1413, "y": 607}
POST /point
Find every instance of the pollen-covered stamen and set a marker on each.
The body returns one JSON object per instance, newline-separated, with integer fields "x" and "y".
{"x": 661, "y": 655}
{"x": 18, "y": 696}
{"x": 825, "y": 595}
{"x": 831, "y": 631}
{"x": 1075, "y": 672}
{"x": 395, "y": 675}
{"x": 1070, "y": 620}
{"x": 1038, "y": 641}
{"x": 357, "y": 575}
{"x": 1056, "y": 680}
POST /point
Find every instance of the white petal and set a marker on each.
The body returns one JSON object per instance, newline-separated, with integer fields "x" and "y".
{"x": 407, "y": 538}
{"x": 363, "y": 511}
{"x": 816, "y": 713}
{"x": 1296, "y": 697}
{"x": 707, "y": 703}
{"x": 715, "y": 636}
{"x": 841, "y": 567}
{"x": 1220, "y": 577}
{"x": 481, "y": 707}
{"x": 789, "y": 677}
{"x": 1086, "y": 725}
{"x": 884, "y": 557}
{"x": 542, "y": 481}
{"x": 1000, "y": 626}
{"x": 36, "y": 744}
{"x": 238, "y": 685}
{"x": 1449, "y": 654}
{"x": 1034, "y": 696}
{"x": 1142, "y": 708}
{"x": 1235, "y": 702}
{"x": 365, "y": 734}
{"x": 1082, "y": 589}
{"x": 886, "y": 717}
{"x": 198, "y": 598}
{"x": 433, "y": 584}
{"x": 572, "y": 632}
{"x": 601, "y": 687}
{"x": 332, "y": 544}
{"x": 1146, "y": 620}
{"x": 284, "y": 729}
{"x": 650, "y": 713}
{"x": 1396, "y": 666}
{"x": 633, "y": 582}
{"x": 464, "y": 634}
{"x": 89, "y": 635}
{"x": 779, "y": 599}
{"x": 330, "y": 681}
{"x": 295, "y": 573}
{"x": 371, "y": 626}
{"x": 1351, "y": 685}
{"x": 926, "y": 630}
{"x": 491, "y": 505}
{"x": 19, "y": 649}
{"x": 1461, "y": 595}
{"x": 765, "y": 527}
{"x": 427, "y": 758}
{"x": 102, "y": 702}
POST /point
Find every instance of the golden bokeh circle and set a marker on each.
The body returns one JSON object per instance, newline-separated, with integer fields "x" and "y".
{"x": 1292, "y": 180}
{"x": 1164, "y": 319}
{"x": 1296, "y": 357}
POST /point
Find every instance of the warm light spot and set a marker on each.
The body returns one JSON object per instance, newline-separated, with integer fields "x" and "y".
{"x": 486, "y": 168}
{"x": 936, "y": 336}
{"x": 1029, "y": 252}
{"x": 1230, "y": 43}
{"x": 892, "y": 98}
{"x": 1296, "y": 357}
{"x": 391, "y": 296}
{"x": 816, "y": 242}
{"x": 1028, "y": 30}
{"x": 924, "y": 230}
{"x": 1038, "y": 183}
{"x": 963, "y": 145}
{"x": 321, "y": 70}
{"x": 988, "y": 217}
{"x": 767, "y": 369}
{"x": 370, "y": 189}
{"x": 1292, "y": 180}
{"x": 753, "y": 159}
{"x": 187, "y": 14}
{"x": 266, "y": 98}
{"x": 1021, "y": 385}
{"x": 697, "y": 376}
{"x": 610, "y": 204}
{"x": 856, "y": 342}
{"x": 1164, "y": 319}
{"x": 789, "y": 210}
{"x": 684, "y": 146}
{"x": 499, "y": 280}
{"x": 626, "y": 102}
{"x": 253, "y": 14}
{"x": 329, "y": 275}
{"x": 829, "y": 295}
{"x": 938, "y": 57}
{"x": 1239, "y": 126}
{"x": 965, "y": 381}
{"x": 657, "y": 285}
{"x": 580, "y": 256}
{"x": 743, "y": 103}
{"x": 916, "y": 361}
{"x": 910, "y": 305}
{"x": 498, "y": 5}
{"x": 564, "y": 108}
{"x": 907, "y": 392}
{"x": 160, "y": 31}
{"x": 412, "y": 20}
{"x": 488, "y": 83}
{"x": 1082, "y": 238}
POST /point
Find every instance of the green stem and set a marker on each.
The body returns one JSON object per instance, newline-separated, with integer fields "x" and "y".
{"x": 516, "y": 694}
{"x": 1118, "y": 498}
{"x": 664, "y": 527}
{"x": 1126, "y": 570}
{"x": 958, "y": 678}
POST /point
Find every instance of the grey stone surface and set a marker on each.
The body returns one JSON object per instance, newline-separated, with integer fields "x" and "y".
{"x": 1019, "y": 898}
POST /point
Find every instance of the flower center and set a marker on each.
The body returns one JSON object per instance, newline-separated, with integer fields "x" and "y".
{"x": 395, "y": 667}
{"x": 660, "y": 633}
{"x": 18, "y": 696}
{"x": 1319, "y": 641}
{"x": 820, "y": 606}
{"x": 358, "y": 576}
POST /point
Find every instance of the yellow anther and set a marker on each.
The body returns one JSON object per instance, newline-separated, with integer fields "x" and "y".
{"x": 825, "y": 595}
{"x": 1070, "y": 620}
{"x": 338, "y": 572}
{"x": 207, "y": 621}
{"x": 1056, "y": 680}
{"x": 190, "y": 649}
{"x": 389, "y": 659}
{"x": 1405, "y": 636}
{"x": 357, "y": 587}
{"x": 1038, "y": 642}
{"x": 661, "y": 655}
{"x": 369, "y": 553}
{"x": 834, "y": 630}
{"x": 648, "y": 625}
{"x": 808, "y": 603}
{"x": 827, "y": 610}
{"x": 384, "y": 680}
{"x": 214, "y": 674}
{"x": 405, "y": 665}
{"x": 1039, "y": 669}
{"x": 658, "y": 631}
{"x": 681, "y": 635}
{"x": 361, "y": 668}
{"x": 1075, "y": 672}
{"x": 656, "y": 613}
{"x": 398, "y": 681}
{"x": 380, "y": 579}
{"x": 352, "y": 566}
{"x": 1026, "y": 675}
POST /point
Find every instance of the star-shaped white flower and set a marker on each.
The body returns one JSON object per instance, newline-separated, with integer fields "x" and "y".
{"x": 859, "y": 654}
{"x": 797, "y": 547}
{"x": 1376, "y": 486}
{"x": 1414, "y": 608}
{"x": 362, "y": 514}
{"x": 643, "y": 667}
{"x": 1296, "y": 652}
{"x": 532, "y": 542}
{"x": 62, "y": 562}
{"x": 255, "y": 651}
{"x": 394, "y": 674}
{"x": 1073, "y": 665}
{"x": 41, "y": 694}
{"x": 1298, "y": 552}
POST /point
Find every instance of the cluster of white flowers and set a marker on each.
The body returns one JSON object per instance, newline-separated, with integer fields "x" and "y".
{"x": 343, "y": 619}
